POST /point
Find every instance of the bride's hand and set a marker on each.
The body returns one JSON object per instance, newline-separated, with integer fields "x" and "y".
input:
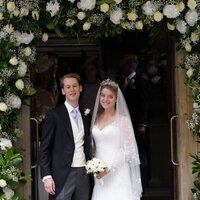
{"x": 102, "y": 174}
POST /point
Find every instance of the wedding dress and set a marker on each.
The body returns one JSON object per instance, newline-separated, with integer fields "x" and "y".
{"x": 117, "y": 184}
{"x": 115, "y": 144}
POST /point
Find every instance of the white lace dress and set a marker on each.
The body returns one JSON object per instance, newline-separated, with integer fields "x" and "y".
{"x": 117, "y": 184}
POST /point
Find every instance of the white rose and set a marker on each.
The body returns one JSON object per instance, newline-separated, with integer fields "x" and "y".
{"x": 194, "y": 37}
{"x": 118, "y": 1}
{"x": 188, "y": 47}
{"x": 126, "y": 25}
{"x": 104, "y": 7}
{"x": 132, "y": 16}
{"x": 190, "y": 72}
{"x": 158, "y": 16}
{"x": 35, "y": 15}
{"x": 19, "y": 84}
{"x": 1, "y": 16}
{"x": 27, "y": 51}
{"x": 2, "y": 183}
{"x": 9, "y": 28}
{"x": 81, "y": 15}
{"x": 86, "y": 26}
{"x": 139, "y": 25}
{"x": 70, "y": 23}
{"x": 24, "y": 11}
{"x": 13, "y": 61}
{"x": 171, "y": 27}
{"x": 180, "y": 6}
{"x": 45, "y": 37}
{"x": 192, "y": 4}
{"x": 3, "y": 107}
{"x": 10, "y": 6}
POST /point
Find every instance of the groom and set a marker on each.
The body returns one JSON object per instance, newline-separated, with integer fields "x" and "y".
{"x": 66, "y": 146}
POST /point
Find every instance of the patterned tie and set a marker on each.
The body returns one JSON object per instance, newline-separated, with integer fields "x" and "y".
{"x": 74, "y": 114}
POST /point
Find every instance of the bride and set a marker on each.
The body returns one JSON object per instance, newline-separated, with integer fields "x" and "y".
{"x": 114, "y": 143}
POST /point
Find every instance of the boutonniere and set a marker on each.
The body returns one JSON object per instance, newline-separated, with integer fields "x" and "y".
{"x": 87, "y": 111}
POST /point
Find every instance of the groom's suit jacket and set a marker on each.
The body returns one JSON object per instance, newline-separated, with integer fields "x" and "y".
{"x": 57, "y": 145}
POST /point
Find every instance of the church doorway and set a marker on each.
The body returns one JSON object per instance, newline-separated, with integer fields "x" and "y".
{"x": 157, "y": 68}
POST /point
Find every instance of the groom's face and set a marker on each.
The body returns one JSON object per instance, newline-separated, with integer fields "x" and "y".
{"x": 71, "y": 89}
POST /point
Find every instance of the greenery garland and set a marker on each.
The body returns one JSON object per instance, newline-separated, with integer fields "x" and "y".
{"x": 23, "y": 24}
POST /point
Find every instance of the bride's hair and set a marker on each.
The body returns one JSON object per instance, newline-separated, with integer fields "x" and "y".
{"x": 109, "y": 84}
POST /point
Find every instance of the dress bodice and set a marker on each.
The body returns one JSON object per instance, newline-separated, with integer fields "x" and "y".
{"x": 107, "y": 142}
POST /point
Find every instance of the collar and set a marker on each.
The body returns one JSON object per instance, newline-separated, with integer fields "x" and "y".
{"x": 70, "y": 108}
{"x": 130, "y": 76}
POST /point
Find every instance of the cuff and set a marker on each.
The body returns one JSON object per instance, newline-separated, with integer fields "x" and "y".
{"x": 46, "y": 177}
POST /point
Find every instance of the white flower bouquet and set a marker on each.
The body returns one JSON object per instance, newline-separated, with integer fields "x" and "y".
{"x": 95, "y": 166}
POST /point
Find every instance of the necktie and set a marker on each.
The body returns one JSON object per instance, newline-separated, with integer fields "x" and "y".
{"x": 74, "y": 114}
{"x": 126, "y": 80}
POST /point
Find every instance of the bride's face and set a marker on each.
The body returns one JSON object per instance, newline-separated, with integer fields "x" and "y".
{"x": 107, "y": 98}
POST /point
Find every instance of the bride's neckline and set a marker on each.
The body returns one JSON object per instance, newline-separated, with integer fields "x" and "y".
{"x": 106, "y": 125}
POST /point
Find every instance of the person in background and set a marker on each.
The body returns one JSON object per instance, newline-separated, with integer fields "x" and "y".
{"x": 135, "y": 92}
{"x": 45, "y": 98}
{"x": 91, "y": 82}
{"x": 66, "y": 146}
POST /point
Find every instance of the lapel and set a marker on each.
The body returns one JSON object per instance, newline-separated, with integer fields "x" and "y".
{"x": 66, "y": 121}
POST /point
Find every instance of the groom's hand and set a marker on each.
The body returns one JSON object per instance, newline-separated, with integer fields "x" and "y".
{"x": 102, "y": 174}
{"x": 49, "y": 186}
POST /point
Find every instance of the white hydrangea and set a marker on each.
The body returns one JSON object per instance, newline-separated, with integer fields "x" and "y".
{"x": 149, "y": 8}
{"x": 22, "y": 69}
{"x": 171, "y": 11}
{"x": 53, "y": 7}
{"x": 116, "y": 16}
{"x": 191, "y": 17}
{"x": 5, "y": 143}
{"x": 14, "y": 101}
{"x": 26, "y": 38}
{"x": 86, "y": 4}
{"x": 9, "y": 193}
{"x": 181, "y": 26}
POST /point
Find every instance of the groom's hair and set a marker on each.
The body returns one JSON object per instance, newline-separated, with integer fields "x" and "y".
{"x": 70, "y": 75}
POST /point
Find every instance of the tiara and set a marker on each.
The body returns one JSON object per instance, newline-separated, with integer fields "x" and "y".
{"x": 109, "y": 82}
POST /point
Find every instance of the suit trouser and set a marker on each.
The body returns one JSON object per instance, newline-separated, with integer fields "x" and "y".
{"x": 77, "y": 185}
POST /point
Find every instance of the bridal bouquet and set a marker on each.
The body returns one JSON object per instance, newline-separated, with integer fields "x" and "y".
{"x": 95, "y": 166}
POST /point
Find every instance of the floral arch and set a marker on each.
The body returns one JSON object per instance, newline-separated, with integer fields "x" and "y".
{"x": 24, "y": 23}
